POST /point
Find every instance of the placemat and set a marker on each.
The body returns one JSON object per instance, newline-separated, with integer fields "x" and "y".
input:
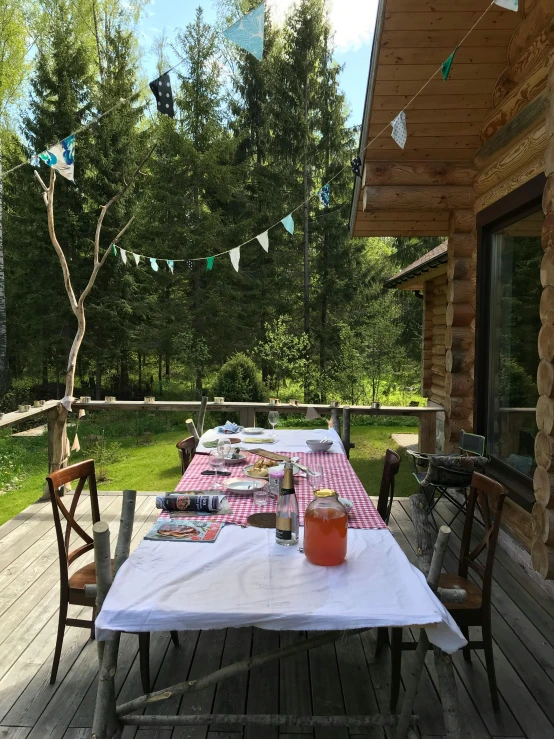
{"x": 338, "y": 474}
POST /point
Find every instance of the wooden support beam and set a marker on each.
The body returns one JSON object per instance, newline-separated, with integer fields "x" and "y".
{"x": 412, "y": 197}
{"x": 508, "y": 172}
{"x": 525, "y": 63}
{"x": 529, "y": 29}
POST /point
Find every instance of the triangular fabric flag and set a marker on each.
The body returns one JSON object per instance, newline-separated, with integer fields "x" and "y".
{"x": 81, "y": 412}
{"x": 235, "y": 257}
{"x": 35, "y": 161}
{"x": 248, "y": 32}
{"x": 399, "y": 130}
{"x": 325, "y": 195}
{"x": 445, "y": 68}
{"x": 161, "y": 88}
{"x": 311, "y": 413}
{"x": 356, "y": 165}
{"x": 508, "y": 4}
{"x": 75, "y": 447}
{"x": 209, "y": 262}
{"x": 264, "y": 240}
{"x": 154, "y": 264}
{"x": 123, "y": 255}
{"x": 170, "y": 264}
{"x": 61, "y": 157}
{"x": 288, "y": 223}
{"x": 114, "y": 250}
{"x": 137, "y": 258}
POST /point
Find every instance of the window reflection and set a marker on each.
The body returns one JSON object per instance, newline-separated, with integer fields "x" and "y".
{"x": 514, "y": 329}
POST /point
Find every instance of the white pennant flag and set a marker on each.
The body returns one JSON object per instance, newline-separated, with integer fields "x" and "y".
{"x": 264, "y": 240}
{"x": 235, "y": 257}
{"x": 399, "y": 129}
{"x": 123, "y": 255}
{"x": 508, "y": 4}
{"x": 137, "y": 258}
{"x": 75, "y": 447}
{"x": 311, "y": 413}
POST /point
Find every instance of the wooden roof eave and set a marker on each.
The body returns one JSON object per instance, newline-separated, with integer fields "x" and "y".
{"x": 375, "y": 49}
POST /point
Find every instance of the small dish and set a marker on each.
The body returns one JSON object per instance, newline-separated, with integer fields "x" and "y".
{"x": 319, "y": 446}
{"x": 244, "y": 487}
{"x": 235, "y": 460}
{"x": 254, "y": 430}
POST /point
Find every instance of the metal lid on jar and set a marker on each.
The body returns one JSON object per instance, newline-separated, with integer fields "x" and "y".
{"x": 324, "y": 493}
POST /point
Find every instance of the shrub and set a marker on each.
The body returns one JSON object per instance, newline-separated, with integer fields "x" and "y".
{"x": 239, "y": 381}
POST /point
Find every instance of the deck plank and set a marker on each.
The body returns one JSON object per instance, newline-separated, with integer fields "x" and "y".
{"x": 263, "y": 685}
{"x": 230, "y": 695}
{"x": 294, "y": 683}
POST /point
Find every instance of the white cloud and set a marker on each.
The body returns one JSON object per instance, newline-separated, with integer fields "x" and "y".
{"x": 353, "y": 21}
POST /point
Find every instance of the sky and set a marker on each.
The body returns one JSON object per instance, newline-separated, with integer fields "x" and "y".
{"x": 353, "y": 22}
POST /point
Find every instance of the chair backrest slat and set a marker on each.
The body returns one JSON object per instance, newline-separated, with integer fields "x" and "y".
{"x": 472, "y": 444}
{"x": 83, "y": 472}
{"x": 489, "y": 495}
{"x": 386, "y": 491}
{"x": 187, "y": 448}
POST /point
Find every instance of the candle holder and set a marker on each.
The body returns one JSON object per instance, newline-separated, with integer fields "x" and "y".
{"x": 334, "y": 403}
{"x": 85, "y": 399}
{"x": 149, "y": 399}
{"x": 274, "y": 401}
{"x": 219, "y": 400}
{"x": 293, "y": 401}
{"x": 36, "y": 403}
{"x": 23, "y": 408}
{"x": 376, "y": 405}
{"x": 110, "y": 398}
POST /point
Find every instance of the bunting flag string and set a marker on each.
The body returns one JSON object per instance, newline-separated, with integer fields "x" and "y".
{"x": 247, "y": 33}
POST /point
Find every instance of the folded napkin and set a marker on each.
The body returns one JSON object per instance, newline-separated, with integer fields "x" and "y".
{"x": 191, "y": 502}
{"x": 228, "y": 428}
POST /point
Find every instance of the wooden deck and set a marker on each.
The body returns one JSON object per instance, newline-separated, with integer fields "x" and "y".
{"x": 331, "y": 679}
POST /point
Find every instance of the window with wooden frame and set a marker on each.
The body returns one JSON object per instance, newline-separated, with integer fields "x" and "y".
{"x": 507, "y": 327}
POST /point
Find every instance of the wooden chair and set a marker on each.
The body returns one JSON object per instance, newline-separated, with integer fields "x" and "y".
{"x": 386, "y": 491}
{"x": 72, "y": 587}
{"x": 186, "y": 449}
{"x": 476, "y": 611}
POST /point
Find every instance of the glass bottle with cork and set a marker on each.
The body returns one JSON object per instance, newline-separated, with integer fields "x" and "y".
{"x": 287, "y": 518}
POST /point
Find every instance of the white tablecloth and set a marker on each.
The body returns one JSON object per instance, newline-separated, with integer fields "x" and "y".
{"x": 293, "y": 440}
{"x": 246, "y": 579}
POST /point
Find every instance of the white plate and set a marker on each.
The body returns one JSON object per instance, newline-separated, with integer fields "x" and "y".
{"x": 244, "y": 487}
{"x": 254, "y": 430}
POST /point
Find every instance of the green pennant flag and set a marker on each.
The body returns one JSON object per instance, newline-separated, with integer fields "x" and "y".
{"x": 209, "y": 262}
{"x": 114, "y": 250}
{"x": 445, "y": 68}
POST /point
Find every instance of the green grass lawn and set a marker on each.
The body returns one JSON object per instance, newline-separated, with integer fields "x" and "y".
{"x": 156, "y": 466}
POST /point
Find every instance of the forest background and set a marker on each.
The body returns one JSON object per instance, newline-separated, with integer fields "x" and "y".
{"x": 249, "y": 142}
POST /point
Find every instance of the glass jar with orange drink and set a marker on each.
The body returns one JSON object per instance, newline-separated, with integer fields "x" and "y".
{"x": 325, "y": 529}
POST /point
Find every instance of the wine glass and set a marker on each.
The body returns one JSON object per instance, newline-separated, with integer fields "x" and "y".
{"x": 216, "y": 463}
{"x": 224, "y": 449}
{"x": 273, "y": 420}
{"x": 315, "y": 477}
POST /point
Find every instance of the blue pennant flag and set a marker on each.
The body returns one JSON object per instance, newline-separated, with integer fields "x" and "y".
{"x": 61, "y": 157}
{"x": 154, "y": 264}
{"x": 325, "y": 195}
{"x": 248, "y": 32}
{"x": 170, "y": 264}
{"x": 288, "y": 223}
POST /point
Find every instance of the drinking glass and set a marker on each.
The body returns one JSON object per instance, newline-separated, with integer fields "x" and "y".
{"x": 260, "y": 495}
{"x": 273, "y": 420}
{"x": 216, "y": 463}
{"x": 224, "y": 449}
{"x": 315, "y": 476}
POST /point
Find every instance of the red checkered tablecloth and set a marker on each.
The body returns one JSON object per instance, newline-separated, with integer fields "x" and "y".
{"x": 338, "y": 474}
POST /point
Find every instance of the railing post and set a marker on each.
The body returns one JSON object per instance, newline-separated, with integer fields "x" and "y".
{"x": 346, "y": 430}
{"x": 335, "y": 420}
{"x": 427, "y": 432}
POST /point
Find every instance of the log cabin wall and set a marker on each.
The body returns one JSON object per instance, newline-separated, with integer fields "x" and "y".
{"x": 434, "y": 329}
{"x": 471, "y": 141}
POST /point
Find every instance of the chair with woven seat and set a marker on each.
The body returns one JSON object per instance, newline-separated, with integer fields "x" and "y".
{"x": 72, "y": 587}
{"x": 489, "y": 495}
{"x": 186, "y": 449}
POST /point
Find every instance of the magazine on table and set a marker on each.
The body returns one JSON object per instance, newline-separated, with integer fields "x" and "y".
{"x": 189, "y": 529}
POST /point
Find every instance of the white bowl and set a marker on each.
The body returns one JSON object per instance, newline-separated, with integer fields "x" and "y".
{"x": 319, "y": 446}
